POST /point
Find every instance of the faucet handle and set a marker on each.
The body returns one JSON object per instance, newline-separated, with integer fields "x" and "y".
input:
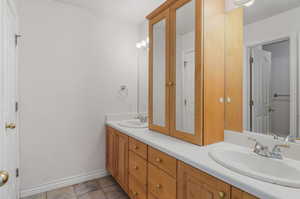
{"x": 277, "y": 147}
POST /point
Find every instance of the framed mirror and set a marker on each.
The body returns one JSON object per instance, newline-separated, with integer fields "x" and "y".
{"x": 270, "y": 73}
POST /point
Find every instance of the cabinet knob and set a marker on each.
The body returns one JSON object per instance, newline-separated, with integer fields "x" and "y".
{"x": 170, "y": 83}
{"x": 136, "y": 147}
{"x": 221, "y": 194}
{"x": 135, "y": 193}
{"x": 136, "y": 167}
{"x": 158, "y": 186}
{"x": 158, "y": 160}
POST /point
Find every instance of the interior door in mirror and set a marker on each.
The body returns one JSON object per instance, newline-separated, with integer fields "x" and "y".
{"x": 159, "y": 82}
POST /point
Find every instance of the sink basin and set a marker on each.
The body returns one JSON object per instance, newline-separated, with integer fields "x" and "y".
{"x": 133, "y": 124}
{"x": 284, "y": 172}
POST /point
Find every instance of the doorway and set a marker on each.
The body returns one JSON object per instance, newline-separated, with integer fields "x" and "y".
{"x": 270, "y": 92}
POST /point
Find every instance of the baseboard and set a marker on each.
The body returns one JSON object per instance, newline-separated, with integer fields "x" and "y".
{"x": 64, "y": 182}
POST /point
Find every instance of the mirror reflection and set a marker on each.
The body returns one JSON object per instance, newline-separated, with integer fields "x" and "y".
{"x": 185, "y": 68}
{"x": 159, "y": 72}
{"x": 270, "y": 68}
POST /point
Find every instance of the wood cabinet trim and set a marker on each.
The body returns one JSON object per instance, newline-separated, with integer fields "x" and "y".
{"x": 160, "y": 9}
{"x": 197, "y": 137}
{"x": 166, "y": 128}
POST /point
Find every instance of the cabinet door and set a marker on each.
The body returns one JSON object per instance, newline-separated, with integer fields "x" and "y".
{"x": 238, "y": 194}
{"x": 122, "y": 160}
{"x": 159, "y": 80}
{"x": 194, "y": 184}
{"x": 214, "y": 69}
{"x": 111, "y": 151}
{"x": 186, "y": 70}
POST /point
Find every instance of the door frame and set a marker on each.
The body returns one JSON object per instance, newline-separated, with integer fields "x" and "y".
{"x": 294, "y": 98}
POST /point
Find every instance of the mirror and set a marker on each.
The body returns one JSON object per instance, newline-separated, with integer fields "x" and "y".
{"x": 270, "y": 69}
{"x": 159, "y": 73}
{"x": 185, "y": 68}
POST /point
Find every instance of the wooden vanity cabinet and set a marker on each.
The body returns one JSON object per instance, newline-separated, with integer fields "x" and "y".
{"x": 147, "y": 173}
{"x": 117, "y": 150}
{"x": 194, "y": 184}
{"x": 239, "y": 194}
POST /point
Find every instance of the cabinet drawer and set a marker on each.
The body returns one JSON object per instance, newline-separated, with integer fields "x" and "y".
{"x": 160, "y": 184}
{"x": 138, "y": 167}
{"x": 163, "y": 161}
{"x": 138, "y": 147}
{"x": 136, "y": 189}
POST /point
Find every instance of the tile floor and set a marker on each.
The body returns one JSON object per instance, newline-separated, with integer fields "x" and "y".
{"x": 103, "y": 188}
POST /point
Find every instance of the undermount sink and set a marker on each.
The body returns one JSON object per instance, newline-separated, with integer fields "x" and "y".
{"x": 284, "y": 172}
{"x": 133, "y": 124}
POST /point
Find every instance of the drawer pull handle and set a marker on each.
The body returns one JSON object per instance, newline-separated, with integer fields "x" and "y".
{"x": 222, "y": 194}
{"x": 136, "y": 147}
{"x": 158, "y": 160}
{"x": 136, "y": 167}
{"x": 158, "y": 186}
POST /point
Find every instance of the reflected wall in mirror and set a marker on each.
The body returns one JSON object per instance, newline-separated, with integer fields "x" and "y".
{"x": 159, "y": 72}
{"x": 185, "y": 68}
{"x": 271, "y": 74}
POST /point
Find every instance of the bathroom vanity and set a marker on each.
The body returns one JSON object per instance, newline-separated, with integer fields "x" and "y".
{"x": 144, "y": 171}
{"x": 151, "y": 165}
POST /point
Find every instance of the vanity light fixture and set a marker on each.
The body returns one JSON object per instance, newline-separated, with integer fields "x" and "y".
{"x": 245, "y": 3}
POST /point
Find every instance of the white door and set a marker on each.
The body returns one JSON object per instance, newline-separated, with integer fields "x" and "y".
{"x": 261, "y": 73}
{"x": 188, "y": 85}
{"x": 8, "y": 130}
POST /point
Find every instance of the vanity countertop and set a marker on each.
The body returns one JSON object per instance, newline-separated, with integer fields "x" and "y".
{"x": 198, "y": 157}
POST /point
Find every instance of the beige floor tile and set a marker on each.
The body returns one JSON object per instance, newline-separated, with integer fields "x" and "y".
{"x": 86, "y": 187}
{"x": 93, "y": 195}
{"x": 106, "y": 181}
{"x": 116, "y": 195}
{"x": 111, "y": 188}
{"x": 38, "y": 196}
{"x": 63, "y": 193}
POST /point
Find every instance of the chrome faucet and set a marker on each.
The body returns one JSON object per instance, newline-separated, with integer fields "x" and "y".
{"x": 276, "y": 151}
{"x": 262, "y": 150}
{"x": 142, "y": 118}
{"x": 259, "y": 148}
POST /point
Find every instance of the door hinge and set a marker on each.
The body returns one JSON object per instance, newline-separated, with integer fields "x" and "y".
{"x": 251, "y": 60}
{"x": 251, "y": 103}
{"x": 16, "y": 107}
{"x": 17, "y": 172}
{"x": 16, "y": 39}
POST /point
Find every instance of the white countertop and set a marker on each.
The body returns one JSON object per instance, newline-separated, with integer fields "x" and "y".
{"x": 198, "y": 157}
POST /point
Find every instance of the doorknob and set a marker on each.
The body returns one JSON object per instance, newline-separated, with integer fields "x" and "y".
{"x": 4, "y": 176}
{"x": 10, "y": 126}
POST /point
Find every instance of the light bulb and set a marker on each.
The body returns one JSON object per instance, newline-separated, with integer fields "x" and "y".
{"x": 138, "y": 45}
{"x": 245, "y": 3}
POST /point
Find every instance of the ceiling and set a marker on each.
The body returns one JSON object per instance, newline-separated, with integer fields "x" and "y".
{"x": 133, "y": 11}
{"x": 263, "y": 9}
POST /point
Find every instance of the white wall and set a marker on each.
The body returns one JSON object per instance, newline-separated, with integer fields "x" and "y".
{"x": 71, "y": 67}
{"x": 143, "y": 69}
{"x": 277, "y": 26}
